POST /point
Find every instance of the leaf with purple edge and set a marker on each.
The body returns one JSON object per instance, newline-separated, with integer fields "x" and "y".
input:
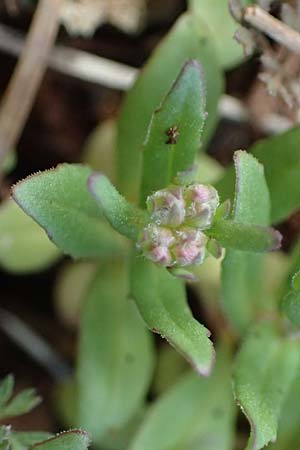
{"x": 187, "y": 39}
{"x": 161, "y": 300}
{"x": 60, "y": 202}
{"x": 244, "y": 237}
{"x": 123, "y": 216}
{"x": 175, "y": 131}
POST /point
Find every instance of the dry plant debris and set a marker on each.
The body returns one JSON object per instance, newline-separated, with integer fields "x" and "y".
{"x": 82, "y": 17}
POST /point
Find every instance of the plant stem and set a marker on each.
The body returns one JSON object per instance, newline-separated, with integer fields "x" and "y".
{"x": 26, "y": 79}
{"x": 263, "y": 21}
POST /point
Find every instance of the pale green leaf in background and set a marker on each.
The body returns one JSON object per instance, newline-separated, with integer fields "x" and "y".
{"x": 161, "y": 299}
{"x": 60, "y": 202}
{"x": 100, "y": 148}
{"x": 9, "y": 162}
{"x": 24, "y": 246}
{"x": 70, "y": 287}
{"x": 265, "y": 368}
{"x": 280, "y": 156}
{"x": 209, "y": 170}
{"x": 115, "y": 361}
{"x": 186, "y": 40}
{"x": 216, "y": 15}
{"x": 115, "y": 439}
{"x": 169, "y": 368}
{"x": 195, "y": 413}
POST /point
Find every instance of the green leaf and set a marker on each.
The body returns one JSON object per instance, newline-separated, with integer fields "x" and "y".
{"x": 123, "y": 217}
{"x": 26, "y": 439}
{"x": 242, "y": 272}
{"x": 296, "y": 281}
{"x": 69, "y": 440}
{"x": 188, "y": 39}
{"x": 170, "y": 367}
{"x": 10, "y": 162}
{"x": 291, "y": 301}
{"x": 175, "y": 131}
{"x": 59, "y": 201}
{"x": 22, "y": 403}
{"x": 291, "y": 307}
{"x": 209, "y": 170}
{"x": 161, "y": 299}
{"x": 115, "y": 356}
{"x": 24, "y": 246}
{"x": 100, "y": 148}
{"x": 244, "y": 237}
{"x": 280, "y": 156}
{"x": 70, "y": 287}
{"x": 265, "y": 368}
{"x": 5, "y": 431}
{"x": 6, "y": 390}
{"x": 216, "y": 15}
{"x": 116, "y": 439}
{"x": 288, "y": 428}
{"x": 196, "y": 413}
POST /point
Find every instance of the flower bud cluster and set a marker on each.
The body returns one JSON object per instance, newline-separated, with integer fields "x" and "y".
{"x": 174, "y": 237}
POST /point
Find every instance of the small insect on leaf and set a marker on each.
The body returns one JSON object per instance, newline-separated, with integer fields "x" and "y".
{"x": 173, "y": 134}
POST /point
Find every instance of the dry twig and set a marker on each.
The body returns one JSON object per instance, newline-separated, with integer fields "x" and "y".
{"x": 260, "y": 19}
{"x": 20, "y": 94}
{"x": 95, "y": 69}
{"x": 76, "y": 63}
{"x": 34, "y": 345}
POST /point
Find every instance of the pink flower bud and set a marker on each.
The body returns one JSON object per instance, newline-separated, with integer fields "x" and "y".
{"x": 160, "y": 255}
{"x": 167, "y": 206}
{"x": 155, "y": 243}
{"x": 190, "y": 247}
{"x": 201, "y": 205}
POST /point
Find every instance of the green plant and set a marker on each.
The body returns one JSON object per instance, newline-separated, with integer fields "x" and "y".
{"x": 23, "y": 403}
{"x": 165, "y": 224}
